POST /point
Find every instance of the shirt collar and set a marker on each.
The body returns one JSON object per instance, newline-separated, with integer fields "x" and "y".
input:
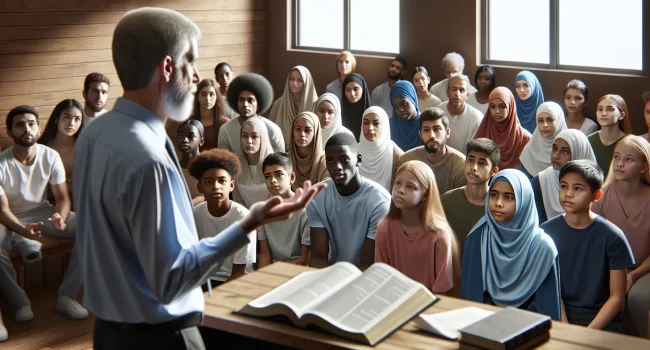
{"x": 141, "y": 113}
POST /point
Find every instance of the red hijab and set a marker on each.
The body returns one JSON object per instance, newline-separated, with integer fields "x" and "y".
{"x": 508, "y": 133}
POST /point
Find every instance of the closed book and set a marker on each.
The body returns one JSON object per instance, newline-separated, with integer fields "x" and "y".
{"x": 507, "y": 329}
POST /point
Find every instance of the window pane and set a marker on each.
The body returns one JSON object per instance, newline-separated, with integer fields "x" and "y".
{"x": 320, "y": 23}
{"x": 519, "y": 30}
{"x": 374, "y": 25}
{"x": 602, "y": 33}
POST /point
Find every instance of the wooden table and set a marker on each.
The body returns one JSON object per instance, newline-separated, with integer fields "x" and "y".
{"x": 233, "y": 295}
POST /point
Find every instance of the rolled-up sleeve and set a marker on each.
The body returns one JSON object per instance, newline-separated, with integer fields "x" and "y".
{"x": 173, "y": 263}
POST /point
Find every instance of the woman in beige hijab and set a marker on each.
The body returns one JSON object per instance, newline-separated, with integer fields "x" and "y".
{"x": 299, "y": 96}
{"x": 307, "y": 154}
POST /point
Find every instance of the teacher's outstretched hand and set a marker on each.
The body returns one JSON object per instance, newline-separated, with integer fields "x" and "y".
{"x": 276, "y": 209}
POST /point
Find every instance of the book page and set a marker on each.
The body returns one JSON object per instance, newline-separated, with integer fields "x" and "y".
{"x": 309, "y": 288}
{"x": 448, "y": 324}
{"x": 362, "y": 303}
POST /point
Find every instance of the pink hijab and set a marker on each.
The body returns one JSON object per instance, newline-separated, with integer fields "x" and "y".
{"x": 508, "y": 133}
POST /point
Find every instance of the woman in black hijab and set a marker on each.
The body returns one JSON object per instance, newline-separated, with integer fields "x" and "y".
{"x": 355, "y": 101}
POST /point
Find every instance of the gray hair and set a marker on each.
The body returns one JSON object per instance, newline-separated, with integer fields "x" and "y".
{"x": 143, "y": 37}
{"x": 453, "y": 59}
{"x": 457, "y": 76}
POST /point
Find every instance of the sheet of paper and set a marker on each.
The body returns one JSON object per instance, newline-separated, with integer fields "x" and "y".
{"x": 448, "y": 324}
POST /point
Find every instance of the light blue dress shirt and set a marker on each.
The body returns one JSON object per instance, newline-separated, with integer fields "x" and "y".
{"x": 139, "y": 251}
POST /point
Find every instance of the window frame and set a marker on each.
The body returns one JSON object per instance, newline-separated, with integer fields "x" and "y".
{"x": 295, "y": 34}
{"x": 554, "y": 45}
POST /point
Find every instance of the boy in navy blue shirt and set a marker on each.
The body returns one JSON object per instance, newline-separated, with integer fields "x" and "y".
{"x": 594, "y": 253}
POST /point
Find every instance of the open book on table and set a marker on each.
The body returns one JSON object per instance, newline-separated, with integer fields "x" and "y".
{"x": 340, "y": 299}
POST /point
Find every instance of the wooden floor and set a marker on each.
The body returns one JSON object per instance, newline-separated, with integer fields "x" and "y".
{"x": 48, "y": 329}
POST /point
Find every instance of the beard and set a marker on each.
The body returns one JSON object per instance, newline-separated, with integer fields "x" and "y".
{"x": 434, "y": 149}
{"x": 94, "y": 107}
{"x": 179, "y": 100}
{"x": 25, "y": 143}
{"x": 393, "y": 76}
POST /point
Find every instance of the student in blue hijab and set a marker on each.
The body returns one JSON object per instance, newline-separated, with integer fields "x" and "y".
{"x": 528, "y": 96}
{"x": 507, "y": 259}
{"x": 405, "y": 123}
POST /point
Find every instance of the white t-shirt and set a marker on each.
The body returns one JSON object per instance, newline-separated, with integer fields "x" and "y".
{"x": 26, "y": 186}
{"x": 209, "y": 226}
{"x": 440, "y": 89}
{"x": 462, "y": 127}
{"x": 482, "y": 107}
{"x": 588, "y": 127}
{"x": 381, "y": 97}
{"x": 432, "y": 101}
{"x": 230, "y": 134}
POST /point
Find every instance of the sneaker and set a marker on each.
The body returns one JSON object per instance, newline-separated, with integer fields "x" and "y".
{"x": 24, "y": 314}
{"x": 71, "y": 308}
{"x": 3, "y": 332}
{"x": 29, "y": 249}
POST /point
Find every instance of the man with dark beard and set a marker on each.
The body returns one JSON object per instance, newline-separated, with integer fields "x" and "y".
{"x": 95, "y": 94}
{"x": 27, "y": 169}
{"x": 141, "y": 259}
{"x": 447, "y": 163}
{"x": 381, "y": 94}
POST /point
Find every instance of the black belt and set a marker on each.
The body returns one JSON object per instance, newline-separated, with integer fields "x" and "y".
{"x": 190, "y": 320}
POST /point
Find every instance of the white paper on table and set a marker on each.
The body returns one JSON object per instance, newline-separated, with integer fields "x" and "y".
{"x": 448, "y": 324}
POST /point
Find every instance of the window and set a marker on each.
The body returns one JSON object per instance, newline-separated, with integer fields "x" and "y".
{"x": 592, "y": 35}
{"x": 360, "y": 26}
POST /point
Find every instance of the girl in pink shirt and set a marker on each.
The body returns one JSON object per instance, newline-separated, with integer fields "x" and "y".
{"x": 415, "y": 237}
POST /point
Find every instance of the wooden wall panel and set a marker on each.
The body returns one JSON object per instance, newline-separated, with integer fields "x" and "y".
{"x": 47, "y": 47}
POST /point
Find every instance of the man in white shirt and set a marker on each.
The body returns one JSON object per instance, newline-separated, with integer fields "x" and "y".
{"x": 381, "y": 94}
{"x": 463, "y": 118}
{"x": 26, "y": 170}
{"x": 452, "y": 63}
{"x": 251, "y": 95}
{"x": 95, "y": 94}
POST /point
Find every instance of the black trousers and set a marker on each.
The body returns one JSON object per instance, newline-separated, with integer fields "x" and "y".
{"x": 114, "y": 336}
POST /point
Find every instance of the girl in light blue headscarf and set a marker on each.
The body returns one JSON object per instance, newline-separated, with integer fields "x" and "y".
{"x": 528, "y": 96}
{"x": 508, "y": 260}
{"x": 405, "y": 123}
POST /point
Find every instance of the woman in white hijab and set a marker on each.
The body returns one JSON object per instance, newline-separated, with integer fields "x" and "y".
{"x": 380, "y": 155}
{"x": 299, "y": 96}
{"x": 328, "y": 110}
{"x": 550, "y": 122}
{"x": 570, "y": 144}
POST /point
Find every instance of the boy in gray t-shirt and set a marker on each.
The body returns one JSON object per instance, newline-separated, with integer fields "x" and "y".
{"x": 344, "y": 217}
{"x": 286, "y": 240}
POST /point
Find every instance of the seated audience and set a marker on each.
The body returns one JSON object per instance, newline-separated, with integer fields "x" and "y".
{"x": 345, "y": 64}
{"x": 223, "y": 74}
{"x": 593, "y": 252}
{"x": 576, "y": 96}
{"x": 446, "y": 162}
{"x": 570, "y": 144}
{"x": 415, "y": 237}
{"x": 250, "y": 187}
{"x": 614, "y": 121}
{"x": 501, "y": 125}
{"x": 625, "y": 204}
{"x": 251, "y": 94}
{"x": 463, "y": 118}
{"x": 95, "y": 94}
{"x": 356, "y": 100}
{"x": 344, "y": 216}
{"x": 508, "y": 260}
{"x": 60, "y": 134}
{"x": 452, "y": 63}
{"x": 380, "y": 96}
{"x": 215, "y": 171}
{"x": 208, "y": 112}
{"x": 26, "y": 170}
{"x": 380, "y": 154}
{"x": 485, "y": 81}
{"x": 328, "y": 110}
{"x": 299, "y": 96}
{"x": 307, "y": 150}
{"x": 189, "y": 139}
{"x": 646, "y": 114}
{"x": 550, "y": 122}
{"x": 465, "y": 206}
{"x": 406, "y": 116}
{"x": 421, "y": 81}
{"x": 286, "y": 240}
{"x": 529, "y": 95}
